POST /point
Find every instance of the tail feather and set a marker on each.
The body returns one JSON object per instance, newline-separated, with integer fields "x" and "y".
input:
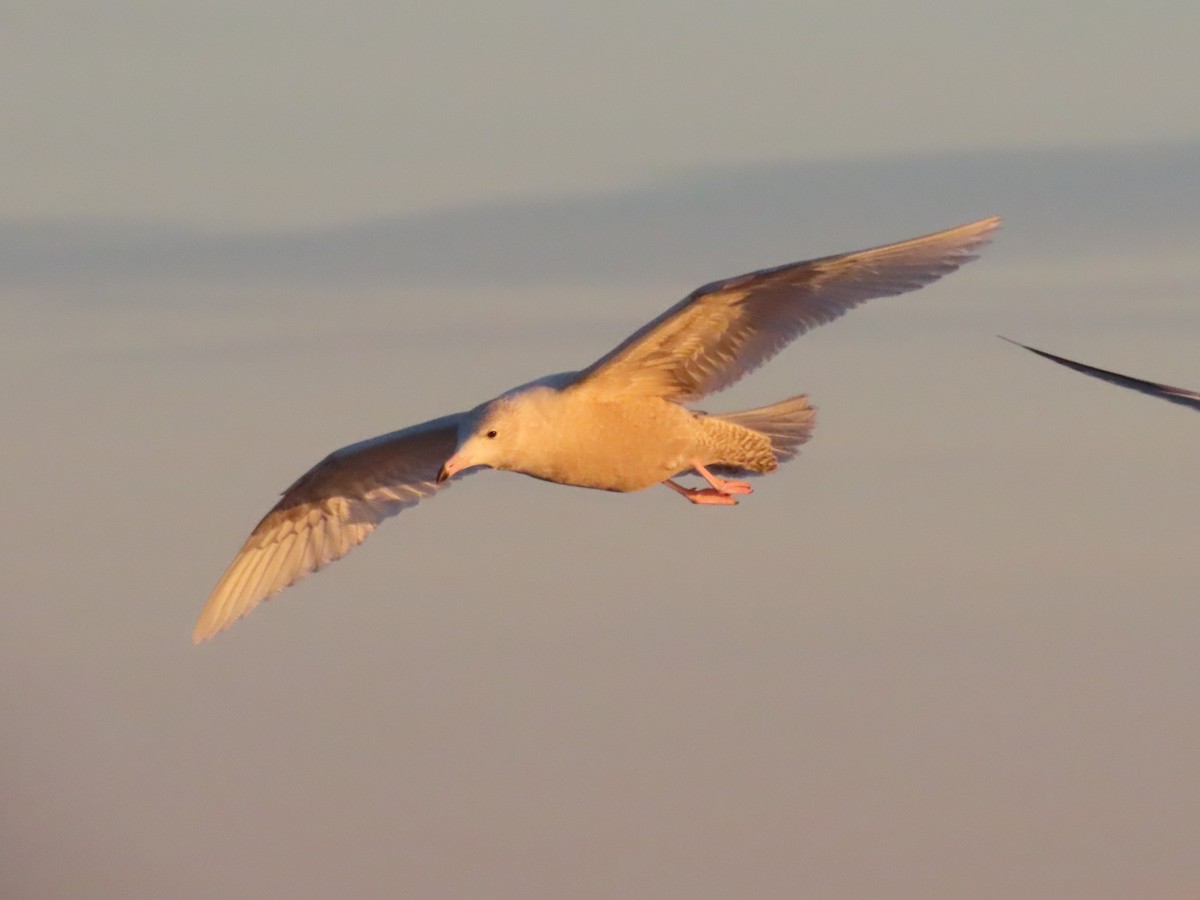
{"x": 787, "y": 424}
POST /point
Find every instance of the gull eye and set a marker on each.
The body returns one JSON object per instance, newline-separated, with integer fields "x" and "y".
{"x": 491, "y": 434}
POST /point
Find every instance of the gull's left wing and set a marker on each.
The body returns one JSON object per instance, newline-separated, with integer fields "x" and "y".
{"x": 723, "y": 330}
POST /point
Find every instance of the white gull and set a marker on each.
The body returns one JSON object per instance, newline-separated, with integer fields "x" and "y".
{"x": 618, "y": 425}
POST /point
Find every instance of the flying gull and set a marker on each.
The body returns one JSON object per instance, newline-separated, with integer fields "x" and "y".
{"x": 618, "y": 425}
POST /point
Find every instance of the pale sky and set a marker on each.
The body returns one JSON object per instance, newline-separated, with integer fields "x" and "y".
{"x": 950, "y": 651}
{"x": 274, "y": 114}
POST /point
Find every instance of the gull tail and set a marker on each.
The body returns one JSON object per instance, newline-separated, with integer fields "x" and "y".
{"x": 786, "y": 424}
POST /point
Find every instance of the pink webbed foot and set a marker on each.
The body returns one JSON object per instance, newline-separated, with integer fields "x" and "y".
{"x": 720, "y": 494}
{"x": 704, "y": 497}
{"x": 720, "y": 485}
{"x": 732, "y": 487}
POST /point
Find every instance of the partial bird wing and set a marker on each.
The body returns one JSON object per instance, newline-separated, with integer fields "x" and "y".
{"x": 330, "y": 510}
{"x": 1165, "y": 391}
{"x": 724, "y": 330}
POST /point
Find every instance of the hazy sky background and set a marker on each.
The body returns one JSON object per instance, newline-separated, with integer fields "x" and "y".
{"x": 951, "y": 651}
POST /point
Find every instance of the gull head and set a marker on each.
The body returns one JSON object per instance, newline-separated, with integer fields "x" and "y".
{"x": 495, "y": 434}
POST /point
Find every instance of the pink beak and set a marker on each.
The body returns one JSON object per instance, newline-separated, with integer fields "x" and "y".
{"x": 452, "y": 467}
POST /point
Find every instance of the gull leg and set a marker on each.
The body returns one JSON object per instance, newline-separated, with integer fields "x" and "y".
{"x": 706, "y": 497}
{"x": 720, "y": 485}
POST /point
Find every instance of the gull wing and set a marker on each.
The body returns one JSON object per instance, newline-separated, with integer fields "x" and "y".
{"x": 330, "y": 510}
{"x": 1165, "y": 391}
{"x": 725, "y": 329}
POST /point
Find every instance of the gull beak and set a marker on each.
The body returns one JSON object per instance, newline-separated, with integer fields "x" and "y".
{"x": 452, "y": 467}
